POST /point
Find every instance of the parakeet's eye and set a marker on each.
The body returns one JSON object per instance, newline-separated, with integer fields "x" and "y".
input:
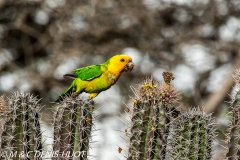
{"x": 122, "y": 60}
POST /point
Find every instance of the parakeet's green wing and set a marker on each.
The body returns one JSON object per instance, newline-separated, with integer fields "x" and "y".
{"x": 89, "y": 72}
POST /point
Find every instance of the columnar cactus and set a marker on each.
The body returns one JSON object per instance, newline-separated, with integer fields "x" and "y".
{"x": 21, "y": 135}
{"x": 191, "y": 136}
{"x": 72, "y": 128}
{"x": 149, "y": 122}
{"x": 234, "y": 143}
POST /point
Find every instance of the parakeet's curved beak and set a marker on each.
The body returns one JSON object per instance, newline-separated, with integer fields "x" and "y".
{"x": 129, "y": 67}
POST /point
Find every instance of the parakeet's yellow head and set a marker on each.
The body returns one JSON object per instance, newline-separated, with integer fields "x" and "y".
{"x": 120, "y": 63}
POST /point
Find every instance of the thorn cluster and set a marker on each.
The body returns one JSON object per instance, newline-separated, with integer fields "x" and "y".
{"x": 153, "y": 90}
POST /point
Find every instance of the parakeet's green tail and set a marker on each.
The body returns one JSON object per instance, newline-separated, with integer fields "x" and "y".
{"x": 68, "y": 91}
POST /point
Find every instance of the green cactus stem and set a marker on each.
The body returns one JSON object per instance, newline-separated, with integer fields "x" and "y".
{"x": 21, "y": 134}
{"x": 72, "y": 127}
{"x": 191, "y": 136}
{"x": 149, "y": 122}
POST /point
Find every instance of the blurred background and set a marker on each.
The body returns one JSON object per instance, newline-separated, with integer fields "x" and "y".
{"x": 197, "y": 40}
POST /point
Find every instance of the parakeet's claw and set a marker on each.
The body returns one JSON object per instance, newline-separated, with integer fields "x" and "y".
{"x": 129, "y": 67}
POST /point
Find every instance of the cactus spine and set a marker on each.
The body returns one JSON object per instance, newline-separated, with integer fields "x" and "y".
{"x": 72, "y": 127}
{"x": 21, "y": 132}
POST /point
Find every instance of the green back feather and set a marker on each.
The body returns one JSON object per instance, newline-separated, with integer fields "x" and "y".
{"x": 89, "y": 72}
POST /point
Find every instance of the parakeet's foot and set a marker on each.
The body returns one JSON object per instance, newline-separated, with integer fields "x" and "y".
{"x": 92, "y": 95}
